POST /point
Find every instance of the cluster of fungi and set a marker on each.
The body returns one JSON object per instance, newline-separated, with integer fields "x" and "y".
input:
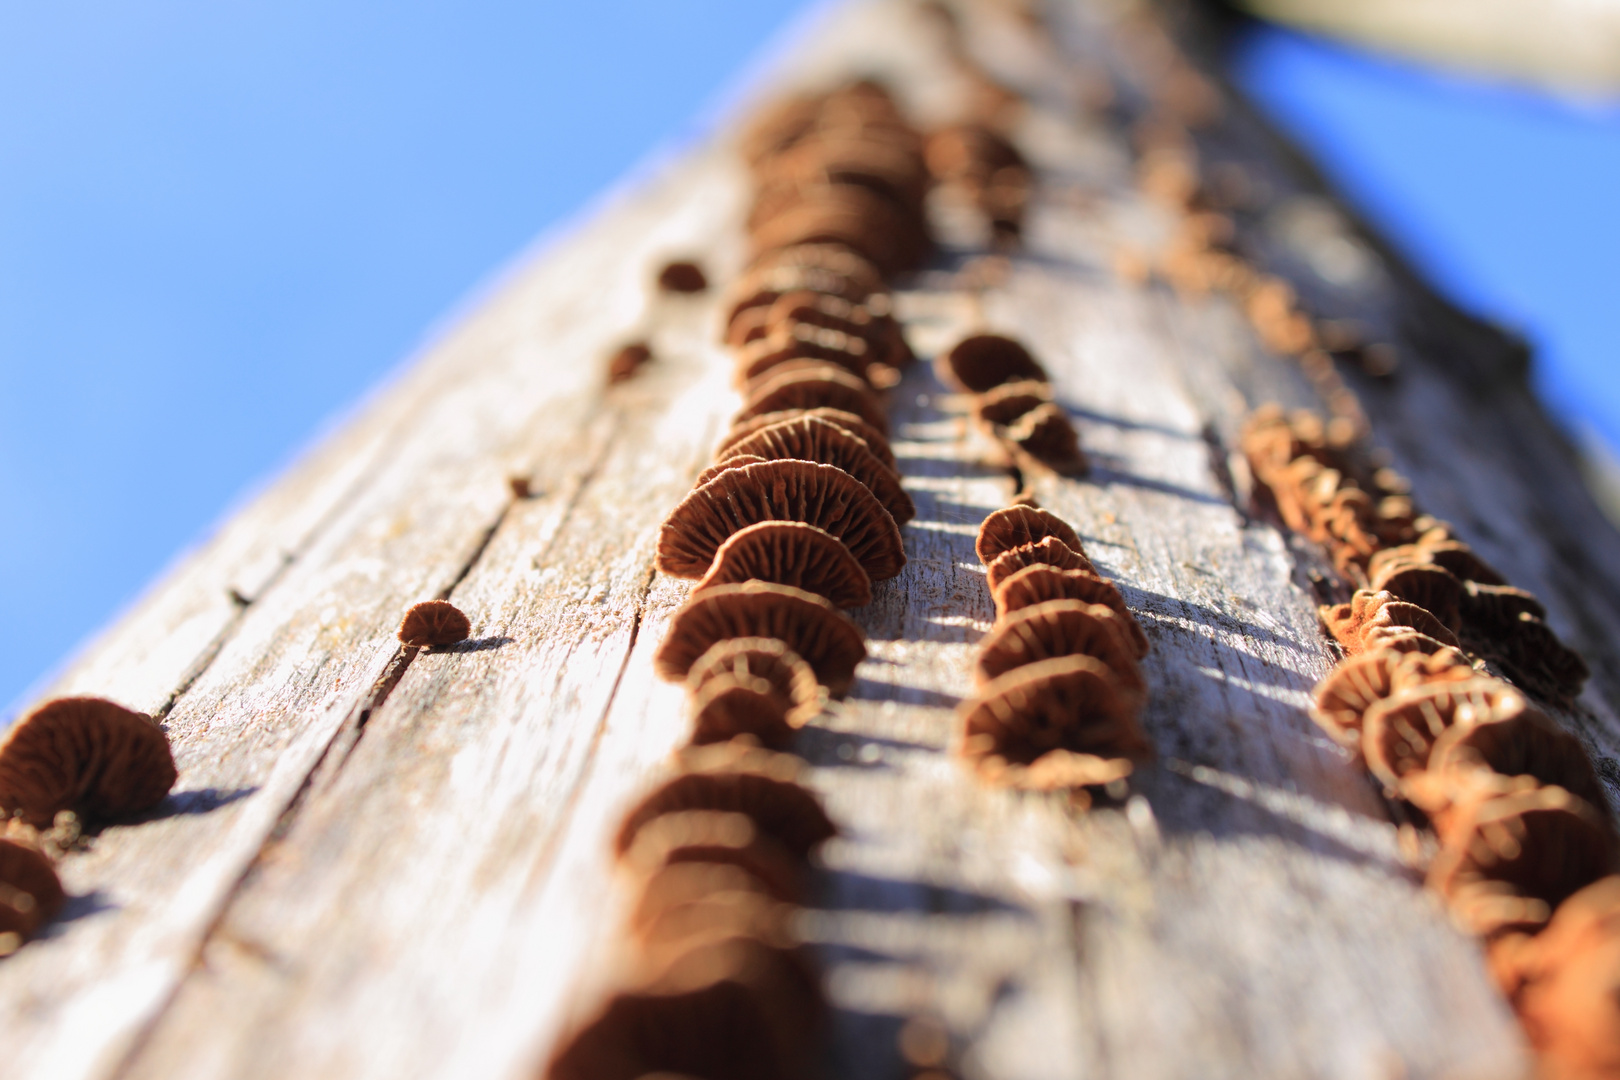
{"x": 1443, "y": 665}
{"x": 1058, "y": 691}
{"x": 798, "y": 515}
{"x": 1013, "y": 403}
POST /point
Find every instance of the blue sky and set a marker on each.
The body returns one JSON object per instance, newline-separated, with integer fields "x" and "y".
{"x": 221, "y": 222}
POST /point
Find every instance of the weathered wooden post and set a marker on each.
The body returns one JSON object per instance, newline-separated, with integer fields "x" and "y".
{"x": 382, "y": 861}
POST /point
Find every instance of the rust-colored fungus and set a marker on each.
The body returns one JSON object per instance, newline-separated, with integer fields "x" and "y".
{"x": 682, "y": 276}
{"x": 1048, "y": 551}
{"x": 1045, "y": 434}
{"x": 735, "y": 462}
{"x": 1509, "y": 861}
{"x": 728, "y": 706}
{"x": 800, "y": 342}
{"x": 819, "y": 495}
{"x": 791, "y": 679}
{"x": 821, "y": 386}
{"x": 1493, "y": 611}
{"x": 30, "y": 892}
{"x": 849, "y": 215}
{"x": 1452, "y": 555}
{"x": 1359, "y": 682}
{"x": 808, "y": 623}
{"x": 1518, "y": 742}
{"x": 1039, "y": 583}
{"x": 1061, "y": 628}
{"x": 984, "y": 361}
{"x": 811, "y": 438}
{"x": 684, "y": 883}
{"x": 717, "y": 837}
{"x": 1531, "y": 655}
{"x": 871, "y": 436}
{"x": 1375, "y": 619}
{"x": 791, "y": 553}
{"x": 434, "y": 622}
{"x": 628, "y": 360}
{"x": 1433, "y": 588}
{"x": 1398, "y": 732}
{"x": 678, "y": 927}
{"x": 94, "y": 757}
{"x": 1016, "y": 526}
{"x": 733, "y": 778}
{"x": 1004, "y": 404}
{"x": 1564, "y": 983}
{"x": 1070, "y": 703}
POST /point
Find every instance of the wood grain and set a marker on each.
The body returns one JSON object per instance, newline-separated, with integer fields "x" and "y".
{"x": 384, "y": 862}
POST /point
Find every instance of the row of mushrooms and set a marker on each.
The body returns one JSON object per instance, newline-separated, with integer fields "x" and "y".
{"x": 1528, "y": 856}
{"x": 793, "y": 522}
{"x": 1058, "y": 690}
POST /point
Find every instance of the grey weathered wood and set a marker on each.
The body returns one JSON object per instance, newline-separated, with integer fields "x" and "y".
{"x": 380, "y": 863}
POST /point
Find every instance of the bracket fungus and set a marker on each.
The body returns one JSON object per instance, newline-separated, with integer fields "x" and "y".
{"x": 801, "y": 345}
{"x": 1045, "y": 434}
{"x": 1061, "y": 628}
{"x": 1016, "y": 526}
{"x": 874, "y": 439}
{"x": 985, "y": 361}
{"x": 682, "y": 276}
{"x": 683, "y": 883}
{"x": 1375, "y": 619}
{"x": 1039, "y": 583}
{"x": 810, "y": 438}
{"x": 1516, "y": 743}
{"x": 720, "y": 838}
{"x": 1433, "y": 588}
{"x": 434, "y": 622}
{"x": 1359, "y": 682}
{"x": 791, "y": 679}
{"x": 94, "y": 757}
{"x": 1069, "y": 703}
{"x": 820, "y": 495}
{"x": 817, "y": 386}
{"x": 1399, "y": 732}
{"x": 728, "y": 706}
{"x": 1002, "y": 405}
{"x": 30, "y": 893}
{"x": 791, "y": 553}
{"x": 809, "y": 624}
{"x": 1047, "y": 551}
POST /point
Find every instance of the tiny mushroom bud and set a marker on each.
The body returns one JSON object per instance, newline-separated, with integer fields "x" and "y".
{"x": 682, "y": 277}
{"x": 434, "y": 622}
{"x": 88, "y": 755}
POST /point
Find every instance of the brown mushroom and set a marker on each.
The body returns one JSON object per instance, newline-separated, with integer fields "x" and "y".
{"x": 1016, "y": 526}
{"x": 1045, "y": 434}
{"x": 1070, "y": 703}
{"x": 815, "y": 387}
{"x": 1519, "y": 741}
{"x": 808, "y": 623}
{"x": 1372, "y": 619}
{"x": 716, "y": 837}
{"x": 1004, "y": 404}
{"x": 30, "y": 893}
{"x": 846, "y": 214}
{"x": 984, "y": 361}
{"x": 1061, "y": 628}
{"x": 1510, "y": 861}
{"x": 434, "y": 622}
{"x": 1399, "y": 732}
{"x": 679, "y": 927}
{"x": 1359, "y": 682}
{"x": 729, "y": 706}
{"x": 733, "y": 778}
{"x": 1040, "y": 583}
{"x": 871, "y": 436}
{"x": 678, "y": 884}
{"x": 811, "y": 438}
{"x": 819, "y": 495}
{"x": 627, "y": 361}
{"x": 1433, "y": 588}
{"x": 1048, "y": 551}
{"x": 791, "y": 679}
{"x": 1496, "y": 610}
{"x": 682, "y": 276}
{"x": 1532, "y": 656}
{"x": 94, "y": 757}
{"x": 791, "y": 553}
{"x": 735, "y": 462}
{"x": 803, "y": 342}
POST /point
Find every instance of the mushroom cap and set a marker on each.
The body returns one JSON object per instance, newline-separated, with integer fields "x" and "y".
{"x": 1046, "y": 434}
{"x": 682, "y": 276}
{"x": 1510, "y": 861}
{"x": 84, "y": 754}
{"x": 1374, "y": 618}
{"x": 788, "y": 342}
{"x": 1359, "y": 682}
{"x": 719, "y": 467}
{"x": 791, "y": 553}
{"x": 808, "y": 623}
{"x": 984, "y": 361}
{"x": 434, "y": 622}
{"x": 699, "y": 920}
{"x": 820, "y": 495}
{"x": 791, "y": 679}
{"x": 1039, "y": 583}
{"x": 717, "y": 837}
{"x": 1453, "y": 555}
{"x": 1520, "y": 741}
{"x": 1431, "y": 587}
{"x": 1532, "y": 656}
{"x": 1061, "y": 628}
{"x": 861, "y": 218}
{"x": 684, "y": 883}
{"x": 818, "y": 386}
{"x": 811, "y": 438}
{"x": 853, "y": 279}
{"x": 26, "y": 871}
{"x": 1492, "y": 610}
{"x": 757, "y": 784}
{"x": 1001, "y": 405}
{"x": 727, "y": 706}
{"x": 1048, "y": 551}
{"x": 871, "y": 436}
{"x": 1015, "y": 526}
{"x": 1068, "y": 703}
{"x": 1399, "y": 732}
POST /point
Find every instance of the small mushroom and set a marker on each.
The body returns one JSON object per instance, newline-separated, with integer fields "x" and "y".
{"x": 728, "y": 706}
{"x": 679, "y": 927}
{"x": 684, "y": 883}
{"x": 1433, "y": 588}
{"x": 1016, "y": 526}
{"x": 820, "y": 386}
{"x": 94, "y": 757}
{"x": 30, "y": 893}
{"x": 734, "y": 462}
{"x": 871, "y": 436}
{"x": 1510, "y": 861}
{"x": 1045, "y": 434}
{"x": 791, "y": 553}
{"x": 627, "y": 361}
{"x": 1039, "y": 583}
{"x": 819, "y": 495}
{"x": 434, "y": 622}
{"x": 791, "y": 679}
{"x": 1061, "y": 628}
{"x": 1372, "y": 619}
{"x": 682, "y": 276}
{"x": 811, "y": 438}
{"x": 716, "y": 837}
{"x": 1004, "y": 404}
{"x": 733, "y": 778}
{"x": 801, "y": 342}
{"x": 1047, "y": 551}
{"x": 985, "y": 361}
{"x": 1359, "y": 682}
{"x": 1518, "y": 741}
{"x": 1496, "y": 610}
{"x": 1070, "y": 703}
{"x": 1399, "y": 732}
